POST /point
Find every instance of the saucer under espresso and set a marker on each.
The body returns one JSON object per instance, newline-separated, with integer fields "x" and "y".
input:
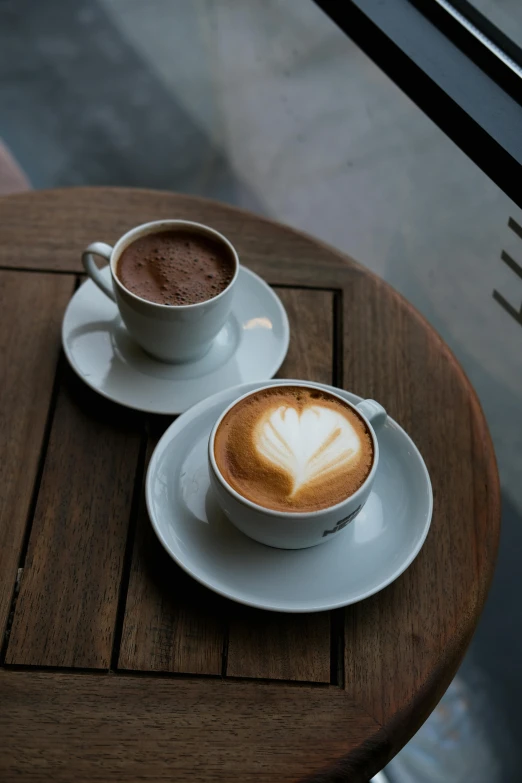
{"x": 250, "y": 347}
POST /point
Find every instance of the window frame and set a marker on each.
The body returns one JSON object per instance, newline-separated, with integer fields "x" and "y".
{"x": 457, "y": 81}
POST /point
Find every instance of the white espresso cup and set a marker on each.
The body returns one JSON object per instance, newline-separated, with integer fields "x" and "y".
{"x": 289, "y": 529}
{"x": 171, "y": 333}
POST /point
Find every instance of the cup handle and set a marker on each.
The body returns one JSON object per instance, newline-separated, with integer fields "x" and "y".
{"x": 105, "y": 251}
{"x": 374, "y": 412}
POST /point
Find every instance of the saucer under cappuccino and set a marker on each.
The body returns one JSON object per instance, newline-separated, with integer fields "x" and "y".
{"x": 293, "y": 448}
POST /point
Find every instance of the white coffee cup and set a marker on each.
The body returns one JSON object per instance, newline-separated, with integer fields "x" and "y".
{"x": 286, "y": 529}
{"x": 171, "y": 333}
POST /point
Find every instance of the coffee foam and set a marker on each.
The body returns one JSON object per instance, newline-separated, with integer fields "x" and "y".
{"x": 175, "y": 267}
{"x": 293, "y": 449}
{"x": 308, "y": 445}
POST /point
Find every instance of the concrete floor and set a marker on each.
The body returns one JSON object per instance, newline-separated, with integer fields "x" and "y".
{"x": 269, "y": 106}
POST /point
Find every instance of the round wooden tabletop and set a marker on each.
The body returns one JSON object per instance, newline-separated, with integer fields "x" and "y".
{"x": 114, "y": 663}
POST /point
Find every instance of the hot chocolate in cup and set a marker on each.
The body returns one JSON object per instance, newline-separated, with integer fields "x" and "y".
{"x": 173, "y": 282}
{"x": 292, "y": 464}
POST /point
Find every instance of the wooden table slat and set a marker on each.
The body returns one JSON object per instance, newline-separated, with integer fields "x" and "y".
{"x": 107, "y": 727}
{"x": 31, "y": 309}
{"x": 266, "y": 644}
{"x": 171, "y": 624}
{"x": 437, "y": 596}
{"x": 310, "y": 355}
{"x": 66, "y": 610}
{"x": 106, "y": 213}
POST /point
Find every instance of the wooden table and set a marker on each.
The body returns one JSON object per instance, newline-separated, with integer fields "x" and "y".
{"x": 115, "y": 664}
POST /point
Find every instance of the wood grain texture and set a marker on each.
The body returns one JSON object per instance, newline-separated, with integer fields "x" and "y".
{"x": 30, "y": 314}
{"x": 67, "y": 220}
{"x": 402, "y": 646}
{"x": 97, "y": 727}
{"x": 66, "y": 609}
{"x": 171, "y": 623}
{"x": 310, "y": 354}
{"x": 267, "y": 644}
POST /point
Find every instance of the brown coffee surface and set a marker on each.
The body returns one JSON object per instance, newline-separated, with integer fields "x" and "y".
{"x": 293, "y": 448}
{"x": 175, "y": 267}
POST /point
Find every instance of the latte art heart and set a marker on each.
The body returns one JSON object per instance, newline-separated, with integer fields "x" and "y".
{"x": 307, "y": 445}
{"x": 293, "y": 448}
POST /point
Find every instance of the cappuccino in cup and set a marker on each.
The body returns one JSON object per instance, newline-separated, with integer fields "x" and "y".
{"x": 293, "y": 449}
{"x": 292, "y": 464}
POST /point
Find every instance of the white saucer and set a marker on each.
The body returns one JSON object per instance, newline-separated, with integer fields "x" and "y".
{"x": 250, "y": 347}
{"x": 371, "y": 552}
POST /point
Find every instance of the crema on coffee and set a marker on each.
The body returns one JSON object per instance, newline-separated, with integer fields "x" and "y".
{"x": 293, "y": 448}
